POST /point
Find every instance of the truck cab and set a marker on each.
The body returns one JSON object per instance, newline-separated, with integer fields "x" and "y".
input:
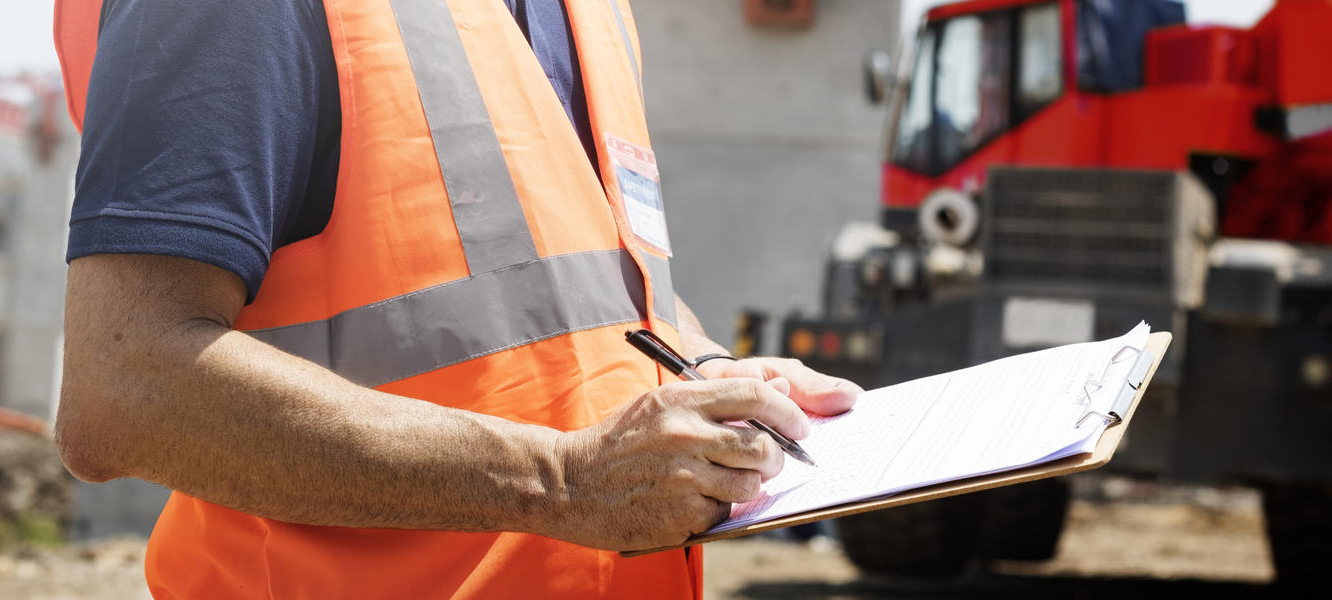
{"x": 1057, "y": 170}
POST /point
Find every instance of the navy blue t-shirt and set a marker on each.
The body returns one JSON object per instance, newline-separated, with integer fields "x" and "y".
{"x": 212, "y": 129}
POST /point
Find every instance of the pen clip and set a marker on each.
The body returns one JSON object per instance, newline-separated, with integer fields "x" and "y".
{"x": 653, "y": 346}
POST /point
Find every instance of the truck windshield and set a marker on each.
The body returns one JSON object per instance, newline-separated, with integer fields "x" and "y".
{"x": 961, "y": 93}
{"x": 913, "y": 128}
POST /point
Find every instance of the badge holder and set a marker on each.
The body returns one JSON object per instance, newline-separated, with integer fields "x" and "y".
{"x": 636, "y": 174}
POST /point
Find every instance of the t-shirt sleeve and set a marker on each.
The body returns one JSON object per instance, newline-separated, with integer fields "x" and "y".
{"x": 200, "y": 130}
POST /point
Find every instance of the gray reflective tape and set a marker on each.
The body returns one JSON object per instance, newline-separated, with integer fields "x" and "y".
{"x": 663, "y": 294}
{"x": 628, "y": 46}
{"x": 485, "y": 203}
{"x": 468, "y": 318}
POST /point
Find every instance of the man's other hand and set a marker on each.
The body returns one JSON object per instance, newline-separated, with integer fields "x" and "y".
{"x": 811, "y": 390}
{"x": 670, "y": 464}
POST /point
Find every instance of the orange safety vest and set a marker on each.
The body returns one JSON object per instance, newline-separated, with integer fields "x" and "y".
{"x": 473, "y": 259}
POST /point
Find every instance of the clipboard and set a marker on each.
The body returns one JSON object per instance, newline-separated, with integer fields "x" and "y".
{"x": 1119, "y": 414}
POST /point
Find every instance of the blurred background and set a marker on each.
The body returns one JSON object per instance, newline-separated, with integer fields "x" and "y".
{"x": 827, "y": 169}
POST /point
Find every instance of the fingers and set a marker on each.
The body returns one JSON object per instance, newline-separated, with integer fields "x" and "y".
{"x": 715, "y": 512}
{"x": 679, "y": 520}
{"x": 731, "y": 486}
{"x": 671, "y": 458}
{"x": 811, "y": 390}
{"x": 743, "y": 399}
{"x": 746, "y": 449}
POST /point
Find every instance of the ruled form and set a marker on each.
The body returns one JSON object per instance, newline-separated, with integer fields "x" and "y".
{"x": 998, "y": 416}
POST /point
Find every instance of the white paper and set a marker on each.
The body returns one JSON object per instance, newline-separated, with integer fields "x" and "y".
{"x": 998, "y": 416}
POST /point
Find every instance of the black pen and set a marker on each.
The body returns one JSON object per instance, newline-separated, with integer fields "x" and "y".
{"x": 656, "y": 349}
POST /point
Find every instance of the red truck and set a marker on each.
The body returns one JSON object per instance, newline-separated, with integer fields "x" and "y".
{"x": 1056, "y": 171}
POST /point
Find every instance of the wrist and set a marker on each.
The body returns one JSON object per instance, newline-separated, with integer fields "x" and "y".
{"x": 548, "y": 497}
{"x": 566, "y": 461}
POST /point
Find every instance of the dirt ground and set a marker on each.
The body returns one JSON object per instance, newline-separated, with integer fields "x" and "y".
{"x": 105, "y": 570}
{"x": 1124, "y": 537}
{"x": 1154, "y": 541}
{"x": 1120, "y": 537}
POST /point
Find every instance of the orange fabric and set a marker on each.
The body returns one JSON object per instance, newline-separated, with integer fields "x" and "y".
{"x": 391, "y": 233}
{"x": 75, "y": 30}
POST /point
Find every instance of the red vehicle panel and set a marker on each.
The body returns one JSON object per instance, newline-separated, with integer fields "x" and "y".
{"x": 1206, "y": 91}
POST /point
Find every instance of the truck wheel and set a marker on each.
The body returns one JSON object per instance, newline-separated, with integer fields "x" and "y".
{"x": 934, "y": 539}
{"x": 1024, "y": 522}
{"x": 1299, "y": 530}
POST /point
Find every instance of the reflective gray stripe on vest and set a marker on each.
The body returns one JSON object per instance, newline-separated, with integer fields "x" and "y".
{"x": 457, "y": 321}
{"x": 628, "y": 46}
{"x": 663, "y": 292}
{"x": 485, "y": 203}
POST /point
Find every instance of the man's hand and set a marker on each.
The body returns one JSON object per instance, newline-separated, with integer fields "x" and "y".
{"x": 813, "y": 391}
{"x": 668, "y": 466}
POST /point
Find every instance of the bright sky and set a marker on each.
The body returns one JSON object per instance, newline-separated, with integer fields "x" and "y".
{"x": 25, "y": 26}
{"x": 25, "y": 36}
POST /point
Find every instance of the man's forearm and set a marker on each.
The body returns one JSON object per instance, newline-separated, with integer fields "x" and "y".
{"x": 216, "y": 414}
{"x": 159, "y": 386}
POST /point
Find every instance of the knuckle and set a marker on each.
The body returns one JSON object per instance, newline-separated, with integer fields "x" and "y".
{"x": 755, "y": 486}
{"x": 750, "y": 446}
{"x": 770, "y": 452}
{"x": 703, "y": 514}
{"x": 755, "y": 391}
{"x": 739, "y": 485}
{"x": 748, "y": 485}
{"x": 697, "y": 512}
{"x": 668, "y": 396}
{"x": 682, "y": 478}
{"x": 672, "y": 430}
{"x": 743, "y": 395}
{"x": 720, "y": 512}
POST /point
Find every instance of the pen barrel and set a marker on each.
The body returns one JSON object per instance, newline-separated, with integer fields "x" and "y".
{"x": 782, "y": 440}
{"x": 788, "y": 445}
{"x": 692, "y": 375}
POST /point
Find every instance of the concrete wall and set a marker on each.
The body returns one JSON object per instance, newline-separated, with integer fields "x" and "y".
{"x": 766, "y": 146}
{"x": 37, "y": 185}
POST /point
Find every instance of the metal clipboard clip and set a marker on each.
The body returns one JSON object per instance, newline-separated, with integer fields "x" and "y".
{"x": 1124, "y": 399}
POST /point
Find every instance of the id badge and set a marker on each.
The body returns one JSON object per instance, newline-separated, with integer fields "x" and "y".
{"x": 640, "y": 190}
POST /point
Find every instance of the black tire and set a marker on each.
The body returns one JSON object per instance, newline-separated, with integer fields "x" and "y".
{"x": 935, "y": 539}
{"x": 1299, "y": 530}
{"x": 1024, "y": 521}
